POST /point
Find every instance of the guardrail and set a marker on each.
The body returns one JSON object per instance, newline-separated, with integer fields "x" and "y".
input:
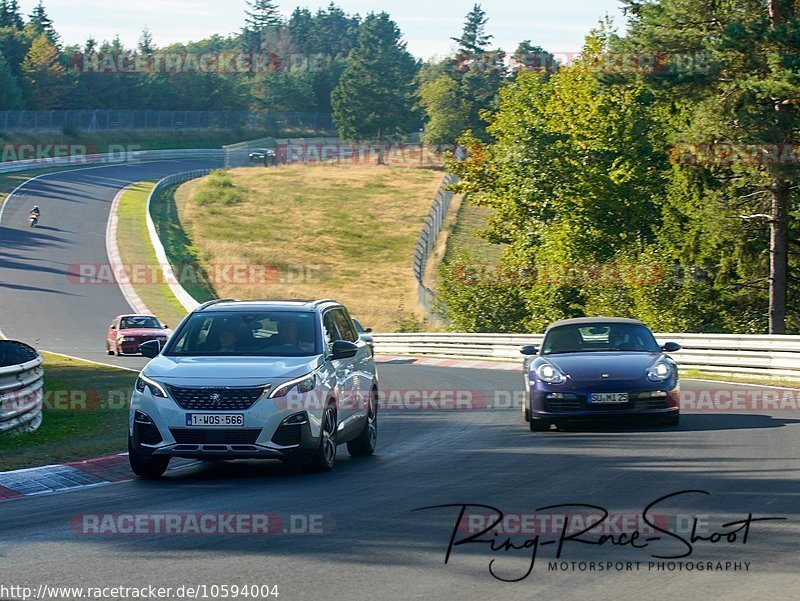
{"x": 714, "y": 353}
{"x": 135, "y": 156}
{"x": 186, "y": 299}
{"x": 430, "y": 232}
{"x": 21, "y": 387}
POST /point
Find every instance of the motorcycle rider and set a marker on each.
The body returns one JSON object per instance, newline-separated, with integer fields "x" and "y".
{"x": 34, "y": 213}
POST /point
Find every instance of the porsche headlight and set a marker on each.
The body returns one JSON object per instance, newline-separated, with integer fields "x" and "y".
{"x": 659, "y": 371}
{"x": 550, "y": 374}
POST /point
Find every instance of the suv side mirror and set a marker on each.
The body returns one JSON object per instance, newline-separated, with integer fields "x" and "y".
{"x": 367, "y": 330}
{"x": 343, "y": 349}
{"x": 529, "y": 349}
{"x": 113, "y": 327}
{"x": 671, "y": 347}
{"x": 150, "y": 349}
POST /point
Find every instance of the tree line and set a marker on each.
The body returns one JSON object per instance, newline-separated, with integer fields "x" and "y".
{"x": 655, "y": 177}
{"x": 328, "y": 61}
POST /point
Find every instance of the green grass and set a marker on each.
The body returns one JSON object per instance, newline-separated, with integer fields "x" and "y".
{"x": 180, "y": 249}
{"x": 322, "y": 231}
{"x": 463, "y": 237}
{"x": 135, "y": 249}
{"x": 695, "y": 374}
{"x": 85, "y": 416}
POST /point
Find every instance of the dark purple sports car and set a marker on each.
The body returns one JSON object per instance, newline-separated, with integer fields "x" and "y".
{"x": 600, "y": 367}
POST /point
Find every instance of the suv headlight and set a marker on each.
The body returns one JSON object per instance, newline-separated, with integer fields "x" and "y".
{"x": 305, "y": 383}
{"x": 156, "y": 389}
{"x": 550, "y": 374}
{"x": 659, "y": 371}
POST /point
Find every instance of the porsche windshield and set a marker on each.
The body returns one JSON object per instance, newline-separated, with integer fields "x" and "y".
{"x": 584, "y": 338}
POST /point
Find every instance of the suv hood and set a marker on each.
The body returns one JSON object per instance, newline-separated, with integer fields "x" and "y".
{"x": 229, "y": 370}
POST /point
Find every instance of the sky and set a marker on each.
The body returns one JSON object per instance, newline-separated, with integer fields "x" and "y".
{"x": 559, "y": 26}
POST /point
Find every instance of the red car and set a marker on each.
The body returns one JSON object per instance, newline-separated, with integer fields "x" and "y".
{"x": 127, "y": 332}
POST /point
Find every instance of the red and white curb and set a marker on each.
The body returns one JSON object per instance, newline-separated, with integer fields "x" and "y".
{"x": 54, "y": 478}
{"x": 70, "y": 476}
{"x": 445, "y": 362}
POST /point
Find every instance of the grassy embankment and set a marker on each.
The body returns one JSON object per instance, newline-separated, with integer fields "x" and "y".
{"x": 341, "y": 231}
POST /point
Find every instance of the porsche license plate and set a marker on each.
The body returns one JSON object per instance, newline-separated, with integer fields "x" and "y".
{"x": 608, "y": 398}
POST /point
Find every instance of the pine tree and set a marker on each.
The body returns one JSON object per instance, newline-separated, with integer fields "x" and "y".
{"x": 474, "y": 39}
{"x": 262, "y": 16}
{"x": 374, "y": 98}
{"x": 730, "y": 79}
{"x": 10, "y": 93}
{"x": 10, "y": 15}
{"x": 146, "y": 45}
{"x": 42, "y": 24}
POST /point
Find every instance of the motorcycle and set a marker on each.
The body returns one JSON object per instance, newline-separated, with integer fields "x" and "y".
{"x": 33, "y": 218}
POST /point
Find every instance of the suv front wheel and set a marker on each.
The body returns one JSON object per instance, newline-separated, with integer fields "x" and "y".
{"x": 364, "y": 444}
{"x": 146, "y": 466}
{"x": 324, "y": 457}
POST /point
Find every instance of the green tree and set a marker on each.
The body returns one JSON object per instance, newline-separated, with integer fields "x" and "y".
{"x": 575, "y": 178}
{"x": 375, "y": 95}
{"x": 474, "y": 39}
{"x": 40, "y": 23}
{"x": 473, "y": 77}
{"x": 10, "y": 93}
{"x": 261, "y": 16}
{"x": 45, "y": 77}
{"x": 10, "y": 15}
{"x": 731, "y": 79}
{"x": 447, "y": 109}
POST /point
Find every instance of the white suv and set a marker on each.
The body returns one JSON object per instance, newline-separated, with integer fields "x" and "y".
{"x": 285, "y": 380}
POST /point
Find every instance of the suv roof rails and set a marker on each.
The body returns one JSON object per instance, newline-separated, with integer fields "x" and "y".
{"x": 322, "y": 300}
{"x": 214, "y": 302}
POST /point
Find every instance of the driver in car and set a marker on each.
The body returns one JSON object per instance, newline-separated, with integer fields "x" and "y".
{"x": 289, "y": 335}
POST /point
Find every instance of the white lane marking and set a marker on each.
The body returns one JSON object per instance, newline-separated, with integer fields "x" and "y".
{"x": 90, "y": 361}
{"x": 115, "y": 260}
{"x": 61, "y": 172}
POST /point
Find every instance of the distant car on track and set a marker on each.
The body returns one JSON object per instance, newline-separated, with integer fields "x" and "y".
{"x": 127, "y": 332}
{"x": 264, "y": 156}
{"x": 596, "y": 368}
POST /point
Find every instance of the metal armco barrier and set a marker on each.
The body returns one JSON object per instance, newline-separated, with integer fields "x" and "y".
{"x": 429, "y": 234}
{"x": 189, "y": 303}
{"x": 21, "y": 387}
{"x": 777, "y": 356}
{"x": 89, "y": 160}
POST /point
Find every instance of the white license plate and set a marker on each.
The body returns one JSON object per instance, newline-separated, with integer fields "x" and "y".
{"x": 205, "y": 420}
{"x": 608, "y": 398}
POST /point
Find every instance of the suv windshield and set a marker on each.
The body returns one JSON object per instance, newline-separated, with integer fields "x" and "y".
{"x": 599, "y": 337}
{"x": 139, "y": 322}
{"x": 237, "y": 333}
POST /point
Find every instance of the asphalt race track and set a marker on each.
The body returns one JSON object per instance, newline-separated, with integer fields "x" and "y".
{"x": 43, "y": 303}
{"x": 353, "y": 534}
